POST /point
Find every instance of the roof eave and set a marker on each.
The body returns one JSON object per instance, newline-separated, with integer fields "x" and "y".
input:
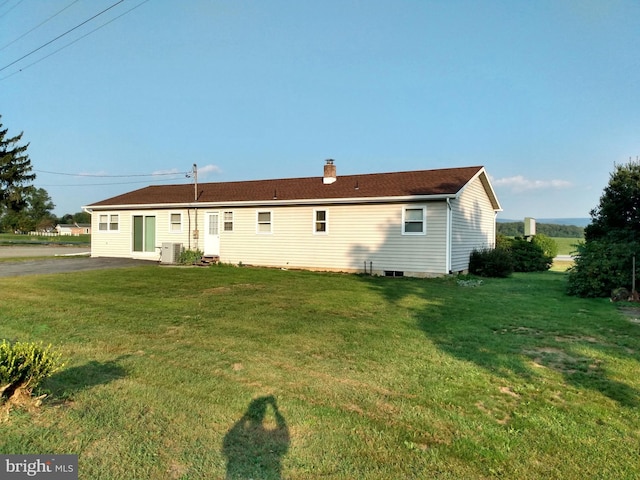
{"x": 273, "y": 202}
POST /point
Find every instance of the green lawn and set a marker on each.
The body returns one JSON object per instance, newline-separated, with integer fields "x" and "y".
{"x": 566, "y": 246}
{"x": 201, "y": 373}
{"x": 13, "y": 239}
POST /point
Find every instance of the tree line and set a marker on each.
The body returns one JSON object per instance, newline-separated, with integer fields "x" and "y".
{"x": 516, "y": 229}
{"x": 23, "y": 207}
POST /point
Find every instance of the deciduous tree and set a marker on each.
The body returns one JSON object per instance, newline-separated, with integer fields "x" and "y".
{"x": 604, "y": 261}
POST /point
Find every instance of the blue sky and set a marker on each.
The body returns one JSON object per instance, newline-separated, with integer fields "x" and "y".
{"x": 544, "y": 94}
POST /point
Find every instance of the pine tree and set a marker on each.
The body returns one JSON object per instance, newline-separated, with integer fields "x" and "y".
{"x": 15, "y": 171}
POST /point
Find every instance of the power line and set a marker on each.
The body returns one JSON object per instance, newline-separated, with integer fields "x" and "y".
{"x": 5, "y": 13}
{"x": 74, "y": 41}
{"x": 103, "y": 184}
{"x": 39, "y": 25}
{"x": 112, "y": 176}
{"x": 61, "y": 35}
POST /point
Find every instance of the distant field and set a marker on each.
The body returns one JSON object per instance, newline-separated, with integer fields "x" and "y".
{"x": 566, "y": 246}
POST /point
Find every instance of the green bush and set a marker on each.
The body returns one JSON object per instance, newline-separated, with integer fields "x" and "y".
{"x": 548, "y": 245}
{"x": 491, "y": 262}
{"x": 189, "y": 257}
{"x": 24, "y": 365}
{"x": 601, "y": 267}
{"x": 529, "y": 256}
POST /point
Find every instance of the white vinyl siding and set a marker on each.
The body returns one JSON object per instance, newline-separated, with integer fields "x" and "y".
{"x": 359, "y": 233}
{"x": 473, "y": 224}
{"x": 106, "y": 244}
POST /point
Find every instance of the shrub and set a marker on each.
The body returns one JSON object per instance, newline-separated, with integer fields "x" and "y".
{"x": 491, "y": 262}
{"x": 600, "y": 267}
{"x": 189, "y": 257}
{"x": 529, "y": 256}
{"x": 24, "y": 365}
{"x": 548, "y": 245}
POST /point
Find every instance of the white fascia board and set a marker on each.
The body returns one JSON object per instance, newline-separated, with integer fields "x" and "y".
{"x": 276, "y": 202}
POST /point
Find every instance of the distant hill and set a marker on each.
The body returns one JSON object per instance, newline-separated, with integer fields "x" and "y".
{"x": 515, "y": 229}
{"x": 578, "y": 222}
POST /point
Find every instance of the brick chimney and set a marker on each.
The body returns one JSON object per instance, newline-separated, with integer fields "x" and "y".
{"x": 329, "y": 172}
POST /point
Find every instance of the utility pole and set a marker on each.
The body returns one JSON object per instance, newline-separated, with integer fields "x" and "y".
{"x": 195, "y": 182}
{"x": 196, "y": 233}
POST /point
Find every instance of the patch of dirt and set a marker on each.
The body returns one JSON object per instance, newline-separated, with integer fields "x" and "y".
{"x": 508, "y": 391}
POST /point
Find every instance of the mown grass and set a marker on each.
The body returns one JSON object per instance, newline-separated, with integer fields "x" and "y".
{"x": 15, "y": 239}
{"x": 566, "y": 246}
{"x": 185, "y": 373}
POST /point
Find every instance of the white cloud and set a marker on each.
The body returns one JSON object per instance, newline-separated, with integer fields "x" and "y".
{"x": 519, "y": 183}
{"x": 209, "y": 169}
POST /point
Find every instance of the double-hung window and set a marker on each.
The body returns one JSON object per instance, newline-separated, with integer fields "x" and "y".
{"x": 228, "y": 221}
{"x": 264, "y": 222}
{"x": 320, "y": 221}
{"x": 414, "y": 220}
{"x": 175, "y": 222}
{"x": 108, "y": 223}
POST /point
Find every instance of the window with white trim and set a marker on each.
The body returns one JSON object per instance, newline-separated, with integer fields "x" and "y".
{"x": 264, "y": 219}
{"x": 320, "y": 222}
{"x": 227, "y": 221}
{"x": 175, "y": 222}
{"x": 108, "y": 223}
{"x": 414, "y": 220}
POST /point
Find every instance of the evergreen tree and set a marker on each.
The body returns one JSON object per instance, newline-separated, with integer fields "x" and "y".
{"x": 15, "y": 172}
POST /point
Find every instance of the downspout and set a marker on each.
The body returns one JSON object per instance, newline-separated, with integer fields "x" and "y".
{"x": 448, "y": 239}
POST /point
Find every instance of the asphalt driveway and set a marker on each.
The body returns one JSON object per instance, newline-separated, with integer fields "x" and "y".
{"x": 77, "y": 259}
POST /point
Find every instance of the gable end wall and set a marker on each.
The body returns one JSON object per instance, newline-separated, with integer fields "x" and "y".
{"x": 473, "y": 224}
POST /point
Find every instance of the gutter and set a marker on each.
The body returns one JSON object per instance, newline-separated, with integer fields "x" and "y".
{"x": 263, "y": 203}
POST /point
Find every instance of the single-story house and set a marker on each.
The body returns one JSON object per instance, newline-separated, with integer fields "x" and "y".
{"x": 73, "y": 229}
{"x": 415, "y": 223}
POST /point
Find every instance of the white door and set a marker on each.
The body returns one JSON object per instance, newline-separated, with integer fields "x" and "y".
{"x": 212, "y": 233}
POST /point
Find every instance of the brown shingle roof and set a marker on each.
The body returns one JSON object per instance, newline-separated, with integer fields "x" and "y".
{"x": 448, "y": 181}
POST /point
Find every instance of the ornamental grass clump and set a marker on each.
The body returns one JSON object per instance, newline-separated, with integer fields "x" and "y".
{"x": 23, "y": 366}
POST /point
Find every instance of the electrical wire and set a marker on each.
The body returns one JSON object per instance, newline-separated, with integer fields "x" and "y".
{"x": 105, "y": 184}
{"x": 74, "y": 41}
{"x": 112, "y": 176}
{"x": 60, "y": 36}
{"x": 39, "y": 25}
{"x": 5, "y": 13}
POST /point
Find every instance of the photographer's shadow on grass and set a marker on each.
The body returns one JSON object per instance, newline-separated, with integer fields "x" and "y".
{"x": 63, "y": 385}
{"x": 255, "y": 445}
